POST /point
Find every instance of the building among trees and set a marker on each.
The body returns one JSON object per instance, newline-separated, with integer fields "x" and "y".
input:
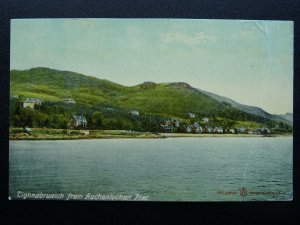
{"x": 78, "y": 121}
{"x": 31, "y": 103}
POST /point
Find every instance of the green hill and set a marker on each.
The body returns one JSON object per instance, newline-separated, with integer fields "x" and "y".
{"x": 163, "y": 100}
{"x": 52, "y": 85}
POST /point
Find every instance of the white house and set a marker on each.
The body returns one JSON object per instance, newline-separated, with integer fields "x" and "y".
{"x": 207, "y": 129}
{"x": 191, "y": 115}
{"x": 134, "y": 113}
{"x": 197, "y": 128}
{"x": 77, "y": 121}
{"x": 31, "y": 102}
{"x": 231, "y": 131}
{"x": 189, "y": 128}
{"x": 175, "y": 122}
{"x": 205, "y": 120}
{"x": 219, "y": 130}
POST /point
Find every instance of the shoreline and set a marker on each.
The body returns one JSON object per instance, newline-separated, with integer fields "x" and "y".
{"x": 59, "y": 134}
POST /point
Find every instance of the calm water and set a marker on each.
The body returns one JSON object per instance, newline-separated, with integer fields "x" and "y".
{"x": 172, "y": 169}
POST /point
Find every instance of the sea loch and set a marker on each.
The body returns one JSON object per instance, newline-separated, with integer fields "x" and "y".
{"x": 171, "y": 169}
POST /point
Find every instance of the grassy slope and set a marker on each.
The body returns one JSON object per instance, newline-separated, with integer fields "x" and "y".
{"x": 53, "y": 85}
{"x": 167, "y": 99}
{"x": 163, "y": 99}
{"x": 248, "y": 124}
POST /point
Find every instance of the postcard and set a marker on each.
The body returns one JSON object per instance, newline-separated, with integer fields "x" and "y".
{"x": 173, "y": 110}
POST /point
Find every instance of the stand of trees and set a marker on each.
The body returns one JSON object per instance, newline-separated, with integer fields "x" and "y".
{"x": 58, "y": 115}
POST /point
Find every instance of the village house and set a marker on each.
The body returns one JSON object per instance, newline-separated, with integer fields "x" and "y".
{"x": 175, "y": 122}
{"x": 205, "y": 120}
{"x": 240, "y": 130}
{"x": 218, "y": 130}
{"x": 207, "y": 129}
{"x": 78, "y": 121}
{"x": 31, "y": 103}
{"x": 231, "y": 131}
{"x": 134, "y": 113}
{"x": 228, "y": 131}
{"x": 249, "y": 131}
{"x": 188, "y": 128}
{"x": 197, "y": 128}
{"x": 169, "y": 125}
{"x": 68, "y": 100}
{"x": 15, "y": 97}
{"x": 166, "y": 128}
{"x": 190, "y": 115}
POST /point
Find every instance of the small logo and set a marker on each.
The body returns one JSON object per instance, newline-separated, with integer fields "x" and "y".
{"x": 243, "y": 191}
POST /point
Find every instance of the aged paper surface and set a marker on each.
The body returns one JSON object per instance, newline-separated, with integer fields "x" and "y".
{"x": 151, "y": 110}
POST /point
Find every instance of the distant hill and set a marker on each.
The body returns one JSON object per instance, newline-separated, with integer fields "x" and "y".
{"x": 287, "y": 116}
{"x": 165, "y": 99}
{"x": 251, "y": 109}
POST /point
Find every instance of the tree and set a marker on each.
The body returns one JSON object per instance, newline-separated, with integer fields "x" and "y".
{"x": 110, "y": 124}
{"x": 97, "y": 120}
{"x": 25, "y": 119}
{"x": 58, "y": 121}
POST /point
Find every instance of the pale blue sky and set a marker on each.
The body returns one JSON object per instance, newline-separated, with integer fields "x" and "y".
{"x": 250, "y": 62}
